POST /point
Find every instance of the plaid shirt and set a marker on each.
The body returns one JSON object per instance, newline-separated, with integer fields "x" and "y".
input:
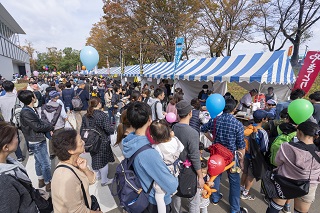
{"x": 229, "y": 131}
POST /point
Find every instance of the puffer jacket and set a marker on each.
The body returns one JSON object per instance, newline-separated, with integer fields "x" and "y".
{"x": 33, "y": 128}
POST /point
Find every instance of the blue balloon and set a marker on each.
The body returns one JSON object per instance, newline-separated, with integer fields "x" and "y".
{"x": 215, "y": 104}
{"x": 89, "y": 57}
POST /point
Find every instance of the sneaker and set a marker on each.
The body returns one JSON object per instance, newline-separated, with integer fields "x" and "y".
{"x": 286, "y": 208}
{"x": 216, "y": 202}
{"x": 247, "y": 197}
{"x": 41, "y": 183}
{"x": 109, "y": 181}
{"x": 48, "y": 187}
{"x": 243, "y": 210}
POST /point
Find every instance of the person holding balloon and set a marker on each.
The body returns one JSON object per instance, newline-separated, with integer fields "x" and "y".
{"x": 229, "y": 133}
{"x": 169, "y": 148}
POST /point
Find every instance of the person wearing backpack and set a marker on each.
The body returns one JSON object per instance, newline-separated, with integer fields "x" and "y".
{"x": 147, "y": 164}
{"x": 7, "y": 105}
{"x": 156, "y": 105}
{"x": 14, "y": 197}
{"x": 84, "y": 96}
{"x": 67, "y": 96}
{"x": 33, "y": 129}
{"x": 260, "y": 136}
{"x": 97, "y": 120}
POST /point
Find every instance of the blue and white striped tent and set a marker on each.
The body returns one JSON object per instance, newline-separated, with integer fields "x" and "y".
{"x": 269, "y": 67}
{"x": 135, "y": 70}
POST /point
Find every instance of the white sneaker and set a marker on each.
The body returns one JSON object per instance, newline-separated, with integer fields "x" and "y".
{"x": 109, "y": 181}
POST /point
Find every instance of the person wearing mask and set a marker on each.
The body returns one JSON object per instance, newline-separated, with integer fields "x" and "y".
{"x": 67, "y": 195}
{"x": 84, "y": 96}
{"x": 67, "y": 95}
{"x": 246, "y": 101}
{"x": 203, "y": 95}
{"x": 99, "y": 121}
{"x": 33, "y": 129}
{"x": 296, "y": 161}
{"x": 271, "y": 94}
{"x": 14, "y": 197}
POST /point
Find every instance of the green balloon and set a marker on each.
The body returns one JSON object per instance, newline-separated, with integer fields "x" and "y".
{"x": 300, "y": 110}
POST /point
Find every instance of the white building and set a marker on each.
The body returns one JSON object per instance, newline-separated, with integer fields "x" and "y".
{"x": 12, "y": 59}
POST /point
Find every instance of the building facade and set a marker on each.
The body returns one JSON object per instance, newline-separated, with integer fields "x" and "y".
{"x": 13, "y": 60}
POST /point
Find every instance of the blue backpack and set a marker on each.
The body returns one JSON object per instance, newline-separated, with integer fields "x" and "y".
{"x": 128, "y": 187}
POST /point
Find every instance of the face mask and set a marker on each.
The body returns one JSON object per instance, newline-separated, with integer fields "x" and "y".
{"x": 205, "y": 90}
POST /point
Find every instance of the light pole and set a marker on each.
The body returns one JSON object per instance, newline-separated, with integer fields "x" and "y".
{"x": 141, "y": 59}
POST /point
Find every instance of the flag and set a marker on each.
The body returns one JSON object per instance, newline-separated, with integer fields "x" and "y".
{"x": 308, "y": 72}
{"x": 178, "y": 52}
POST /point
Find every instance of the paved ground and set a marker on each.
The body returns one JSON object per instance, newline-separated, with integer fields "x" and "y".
{"x": 109, "y": 203}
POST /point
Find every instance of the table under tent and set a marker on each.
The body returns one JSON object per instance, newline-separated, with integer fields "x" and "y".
{"x": 260, "y": 71}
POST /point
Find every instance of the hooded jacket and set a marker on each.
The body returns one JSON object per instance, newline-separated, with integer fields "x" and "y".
{"x": 296, "y": 163}
{"x": 14, "y": 197}
{"x": 151, "y": 103}
{"x": 52, "y": 113}
{"x": 149, "y": 166}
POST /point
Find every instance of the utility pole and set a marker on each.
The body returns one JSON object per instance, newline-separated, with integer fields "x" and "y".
{"x": 141, "y": 59}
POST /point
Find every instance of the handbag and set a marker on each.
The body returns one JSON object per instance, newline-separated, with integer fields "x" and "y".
{"x": 278, "y": 186}
{"x": 94, "y": 201}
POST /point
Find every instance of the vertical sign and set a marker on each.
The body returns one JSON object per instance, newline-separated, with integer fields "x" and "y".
{"x": 309, "y": 71}
{"x": 178, "y": 52}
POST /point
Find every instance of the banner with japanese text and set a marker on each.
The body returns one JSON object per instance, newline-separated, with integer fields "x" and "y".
{"x": 309, "y": 71}
{"x": 178, "y": 52}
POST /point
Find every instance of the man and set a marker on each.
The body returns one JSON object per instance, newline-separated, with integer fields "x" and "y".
{"x": 315, "y": 100}
{"x": 203, "y": 95}
{"x": 67, "y": 95}
{"x": 2, "y": 91}
{"x": 246, "y": 101}
{"x": 33, "y": 129}
{"x": 156, "y": 105}
{"x": 84, "y": 96}
{"x": 148, "y": 165}
{"x": 260, "y": 117}
{"x": 189, "y": 137}
{"x": 7, "y": 103}
{"x": 271, "y": 94}
{"x": 229, "y": 133}
{"x": 296, "y": 94}
{"x": 54, "y": 113}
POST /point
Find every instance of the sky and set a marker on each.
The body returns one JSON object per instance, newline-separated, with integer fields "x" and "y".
{"x": 67, "y": 23}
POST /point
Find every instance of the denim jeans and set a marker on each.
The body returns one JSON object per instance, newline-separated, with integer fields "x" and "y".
{"x": 234, "y": 191}
{"x": 41, "y": 156}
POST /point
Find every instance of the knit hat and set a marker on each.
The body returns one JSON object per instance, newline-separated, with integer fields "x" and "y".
{"x": 183, "y": 107}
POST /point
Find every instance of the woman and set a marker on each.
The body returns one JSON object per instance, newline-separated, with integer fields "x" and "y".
{"x": 123, "y": 129}
{"x": 172, "y": 104}
{"x": 99, "y": 121}
{"x": 67, "y": 195}
{"x": 14, "y": 197}
{"x": 145, "y": 95}
{"x": 297, "y": 163}
{"x": 107, "y": 99}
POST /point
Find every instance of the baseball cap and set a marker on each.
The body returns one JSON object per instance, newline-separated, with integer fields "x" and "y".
{"x": 53, "y": 94}
{"x": 183, "y": 107}
{"x": 261, "y": 114}
{"x": 271, "y": 101}
{"x": 80, "y": 82}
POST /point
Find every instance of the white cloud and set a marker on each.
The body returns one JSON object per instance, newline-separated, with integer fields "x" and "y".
{"x": 55, "y": 23}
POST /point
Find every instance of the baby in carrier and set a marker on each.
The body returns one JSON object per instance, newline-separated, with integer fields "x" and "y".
{"x": 169, "y": 148}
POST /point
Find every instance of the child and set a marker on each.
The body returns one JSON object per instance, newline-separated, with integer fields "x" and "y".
{"x": 204, "y": 202}
{"x": 169, "y": 148}
{"x": 271, "y": 108}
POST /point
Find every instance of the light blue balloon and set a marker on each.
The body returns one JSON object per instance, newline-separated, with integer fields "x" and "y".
{"x": 89, "y": 56}
{"x": 215, "y": 104}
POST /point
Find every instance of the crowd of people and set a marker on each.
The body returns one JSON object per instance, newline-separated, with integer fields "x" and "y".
{"x": 175, "y": 168}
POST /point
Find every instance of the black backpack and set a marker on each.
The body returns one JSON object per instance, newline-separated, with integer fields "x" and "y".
{"x": 91, "y": 137}
{"x": 128, "y": 187}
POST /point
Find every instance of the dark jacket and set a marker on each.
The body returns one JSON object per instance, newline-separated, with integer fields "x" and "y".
{"x": 67, "y": 95}
{"x": 14, "y": 197}
{"x": 84, "y": 96}
{"x": 32, "y": 126}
